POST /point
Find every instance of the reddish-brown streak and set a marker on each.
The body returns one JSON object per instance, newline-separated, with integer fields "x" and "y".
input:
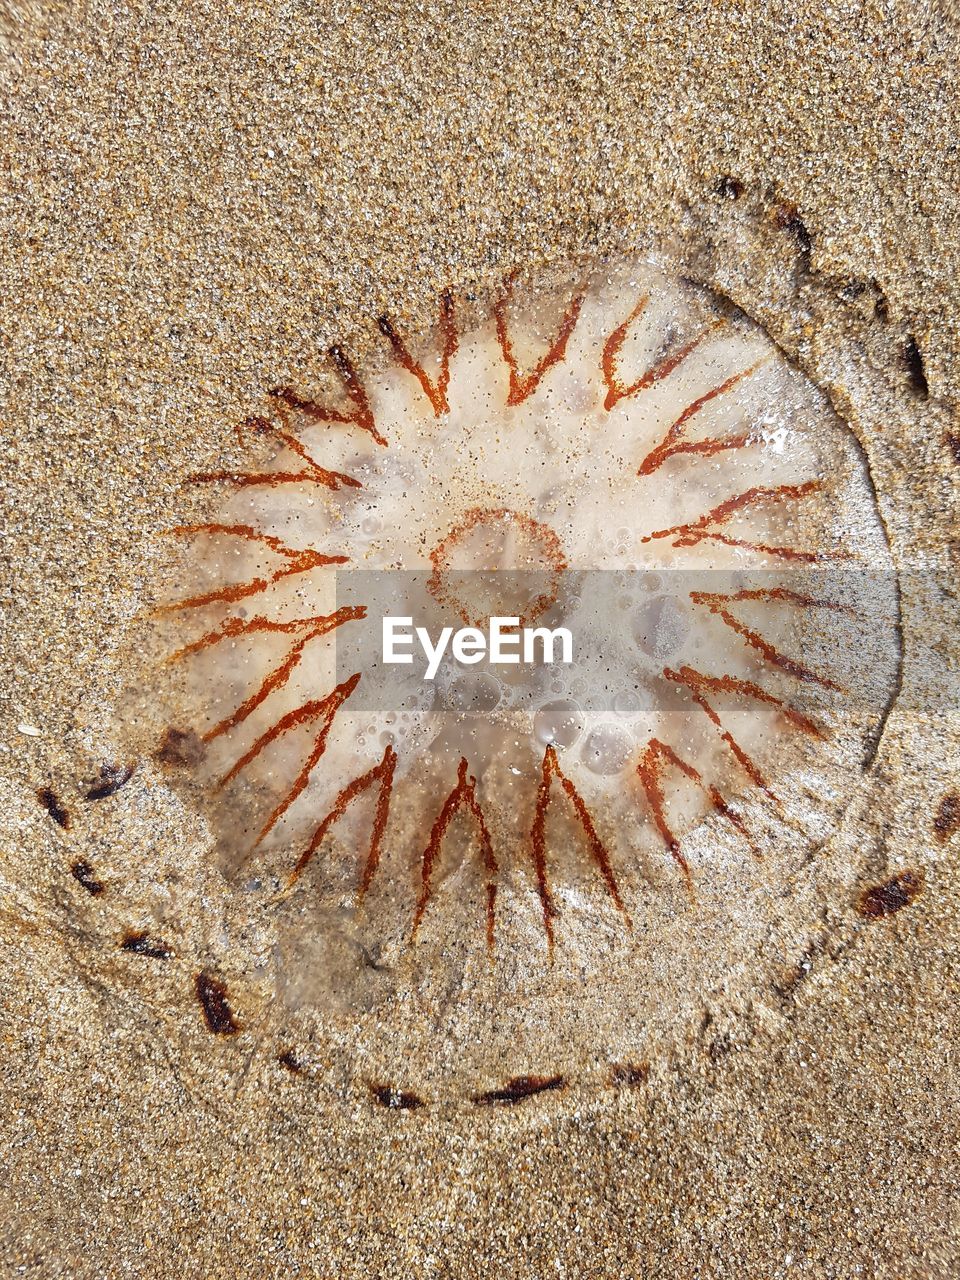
{"x": 521, "y": 386}
{"x": 694, "y": 682}
{"x": 298, "y": 562}
{"x": 140, "y": 943}
{"x": 463, "y": 794}
{"x": 715, "y": 603}
{"x": 319, "y": 708}
{"x": 436, "y": 392}
{"x": 296, "y": 446}
{"x": 178, "y": 747}
{"x": 611, "y": 350}
{"x": 84, "y": 875}
{"x": 273, "y": 479}
{"x": 212, "y": 994}
{"x": 550, "y": 769}
{"x": 519, "y": 1089}
{"x": 688, "y": 535}
{"x": 381, "y": 773}
{"x": 616, "y": 390}
{"x": 672, "y": 444}
{"x": 362, "y": 415}
{"x": 763, "y": 548}
{"x": 721, "y": 806}
{"x": 313, "y": 474}
{"x": 891, "y": 896}
{"x": 697, "y": 682}
{"x": 778, "y": 593}
{"x": 396, "y": 1099}
{"x": 232, "y": 628}
{"x": 699, "y": 685}
{"x": 112, "y": 777}
{"x": 276, "y": 679}
{"x": 946, "y": 820}
{"x": 649, "y": 771}
{"x": 629, "y": 1074}
{"x": 57, "y": 811}
{"x": 545, "y": 537}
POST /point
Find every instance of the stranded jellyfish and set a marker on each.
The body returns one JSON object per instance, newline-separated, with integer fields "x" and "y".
{"x": 615, "y": 453}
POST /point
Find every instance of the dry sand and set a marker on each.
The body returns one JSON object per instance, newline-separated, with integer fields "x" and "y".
{"x": 196, "y": 202}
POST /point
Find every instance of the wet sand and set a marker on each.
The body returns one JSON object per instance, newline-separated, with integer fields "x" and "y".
{"x": 195, "y": 206}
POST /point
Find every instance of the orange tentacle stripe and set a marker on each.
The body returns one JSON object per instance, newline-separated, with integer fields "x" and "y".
{"x": 297, "y": 562}
{"x": 611, "y": 349}
{"x": 772, "y": 593}
{"x": 650, "y": 771}
{"x": 322, "y": 709}
{"x": 278, "y": 677}
{"x": 312, "y": 473}
{"x": 717, "y": 603}
{"x": 232, "y": 530}
{"x": 523, "y": 385}
{"x": 701, "y": 685}
{"x": 550, "y": 770}
{"x": 361, "y": 415}
{"x": 734, "y": 818}
{"x": 617, "y": 390}
{"x": 436, "y": 392}
{"x": 274, "y": 479}
{"x": 689, "y": 534}
{"x": 464, "y": 794}
{"x": 382, "y": 775}
{"x": 673, "y": 443}
{"x": 233, "y": 628}
{"x": 697, "y": 682}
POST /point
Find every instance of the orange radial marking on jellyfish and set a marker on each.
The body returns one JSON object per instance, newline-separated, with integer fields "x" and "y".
{"x": 650, "y": 771}
{"x": 700, "y": 685}
{"x": 436, "y": 392}
{"x": 297, "y": 562}
{"x": 312, "y": 473}
{"x": 464, "y": 794}
{"x": 695, "y": 680}
{"x": 323, "y": 709}
{"x": 232, "y": 628}
{"x": 617, "y": 390}
{"x": 279, "y": 676}
{"x": 716, "y": 603}
{"x": 735, "y": 819}
{"x": 523, "y": 385}
{"x": 782, "y": 593}
{"x": 381, "y": 774}
{"x": 362, "y": 414}
{"x": 688, "y": 535}
{"x": 673, "y": 443}
{"x": 550, "y": 770}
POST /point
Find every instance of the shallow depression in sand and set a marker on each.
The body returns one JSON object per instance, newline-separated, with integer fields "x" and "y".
{"x": 615, "y": 453}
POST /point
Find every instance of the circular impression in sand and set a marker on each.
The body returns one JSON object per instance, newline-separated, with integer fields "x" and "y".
{"x": 524, "y": 675}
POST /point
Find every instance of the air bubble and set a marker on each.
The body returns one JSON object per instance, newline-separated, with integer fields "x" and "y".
{"x": 627, "y": 704}
{"x": 661, "y": 627}
{"x": 558, "y": 723}
{"x": 473, "y": 694}
{"x": 606, "y": 749}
